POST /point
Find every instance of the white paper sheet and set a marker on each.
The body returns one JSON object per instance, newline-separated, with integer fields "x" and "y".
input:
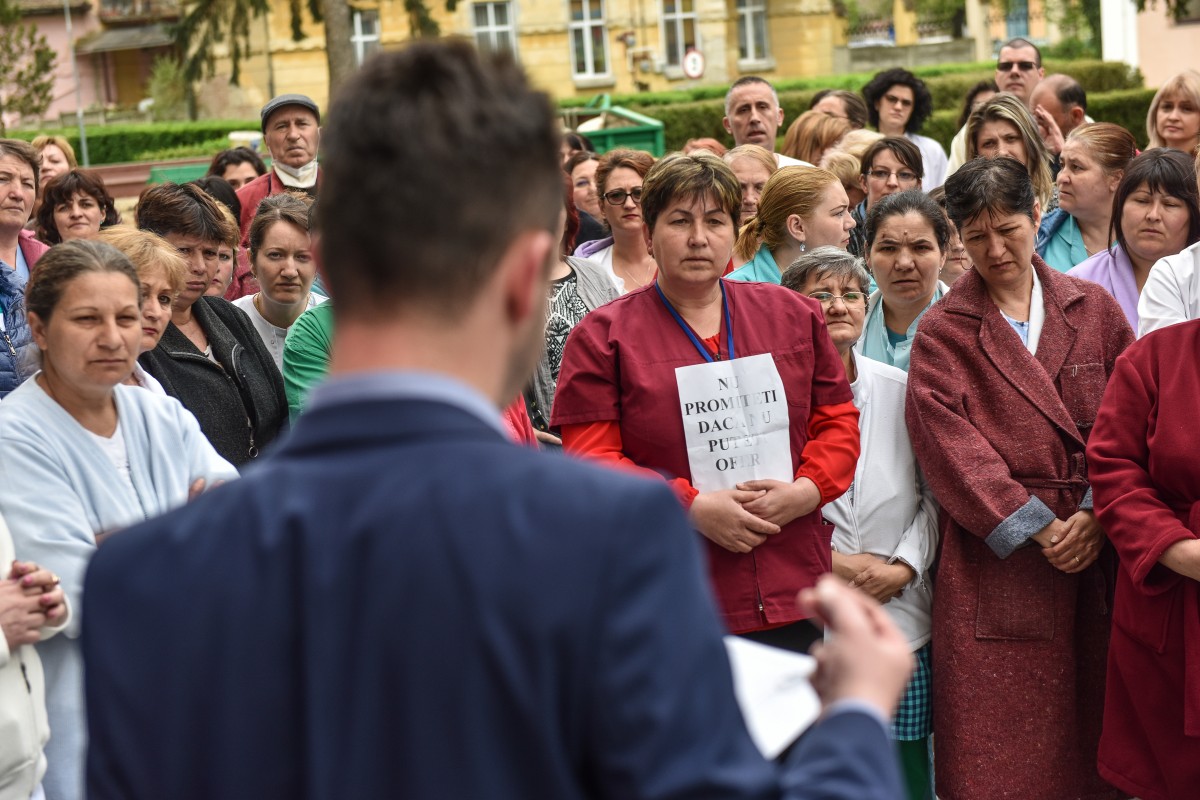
{"x": 735, "y": 422}
{"x": 773, "y": 690}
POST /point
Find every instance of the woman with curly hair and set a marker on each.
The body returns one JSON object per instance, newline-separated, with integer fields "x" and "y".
{"x": 75, "y": 205}
{"x": 898, "y": 103}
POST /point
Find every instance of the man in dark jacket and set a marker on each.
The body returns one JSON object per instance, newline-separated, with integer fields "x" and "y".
{"x": 400, "y": 602}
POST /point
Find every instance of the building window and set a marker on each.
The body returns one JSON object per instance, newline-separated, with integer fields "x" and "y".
{"x": 752, "y": 30}
{"x": 679, "y": 29}
{"x": 366, "y": 34}
{"x": 589, "y": 39}
{"x": 1017, "y": 19}
{"x": 494, "y": 30}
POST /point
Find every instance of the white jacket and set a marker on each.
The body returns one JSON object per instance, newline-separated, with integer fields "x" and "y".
{"x": 889, "y": 510}
{"x": 24, "y": 729}
{"x": 1172, "y": 292}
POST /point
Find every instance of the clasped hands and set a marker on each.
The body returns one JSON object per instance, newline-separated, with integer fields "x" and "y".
{"x": 30, "y": 598}
{"x": 1074, "y": 545}
{"x": 741, "y": 519}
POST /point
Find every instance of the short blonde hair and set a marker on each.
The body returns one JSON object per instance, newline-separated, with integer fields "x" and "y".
{"x": 149, "y": 253}
{"x": 791, "y": 190}
{"x": 856, "y": 142}
{"x": 812, "y": 134}
{"x": 1186, "y": 83}
{"x": 39, "y": 144}
{"x": 764, "y": 157}
{"x": 845, "y": 166}
{"x": 694, "y": 175}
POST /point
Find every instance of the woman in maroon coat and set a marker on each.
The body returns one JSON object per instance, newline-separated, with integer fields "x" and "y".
{"x": 1147, "y": 480}
{"x": 1006, "y": 377}
{"x": 772, "y": 388}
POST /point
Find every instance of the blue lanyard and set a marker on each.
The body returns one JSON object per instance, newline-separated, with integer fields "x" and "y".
{"x": 700, "y": 348}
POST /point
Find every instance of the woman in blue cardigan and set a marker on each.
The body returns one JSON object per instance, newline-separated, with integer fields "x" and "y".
{"x": 85, "y": 456}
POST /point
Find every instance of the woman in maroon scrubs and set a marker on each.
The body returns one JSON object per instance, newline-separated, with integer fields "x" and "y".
{"x": 755, "y": 433}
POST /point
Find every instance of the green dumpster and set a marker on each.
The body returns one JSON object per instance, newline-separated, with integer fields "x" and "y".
{"x": 180, "y": 174}
{"x": 610, "y": 127}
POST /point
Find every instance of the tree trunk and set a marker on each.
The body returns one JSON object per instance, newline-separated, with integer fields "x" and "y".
{"x": 339, "y": 50}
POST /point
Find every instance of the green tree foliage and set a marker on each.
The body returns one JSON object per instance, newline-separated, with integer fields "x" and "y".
{"x": 168, "y": 89}
{"x": 26, "y": 67}
{"x": 206, "y": 23}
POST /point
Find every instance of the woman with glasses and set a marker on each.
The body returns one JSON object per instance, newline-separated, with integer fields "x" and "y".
{"x": 800, "y": 208}
{"x": 885, "y": 527}
{"x": 907, "y": 239}
{"x": 1093, "y": 159}
{"x": 899, "y": 103}
{"x": 1006, "y": 376}
{"x": 892, "y": 164}
{"x": 730, "y": 391}
{"x": 623, "y": 254}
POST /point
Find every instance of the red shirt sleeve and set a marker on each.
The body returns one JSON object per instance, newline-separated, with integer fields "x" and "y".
{"x": 602, "y": 441}
{"x": 516, "y": 420}
{"x": 831, "y": 453}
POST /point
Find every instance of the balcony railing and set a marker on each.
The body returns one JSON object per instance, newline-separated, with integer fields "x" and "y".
{"x": 138, "y": 10}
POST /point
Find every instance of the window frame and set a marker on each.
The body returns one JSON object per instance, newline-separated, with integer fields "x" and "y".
{"x": 493, "y": 30}
{"x": 677, "y": 19}
{"x": 746, "y": 11}
{"x": 362, "y": 42}
{"x": 586, "y": 26}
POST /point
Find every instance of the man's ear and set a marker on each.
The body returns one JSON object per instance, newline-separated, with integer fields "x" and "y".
{"x": 728, "y": 127}
{"x": 524, "y": 271}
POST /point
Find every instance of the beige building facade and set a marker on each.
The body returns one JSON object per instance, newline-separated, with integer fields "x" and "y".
{"x": 578, "y": 47}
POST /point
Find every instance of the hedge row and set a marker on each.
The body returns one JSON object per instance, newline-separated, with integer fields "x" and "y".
{"x": 947, "y": 83}
{"x": 683, "y": 121}
{"x": 116, "y": 144}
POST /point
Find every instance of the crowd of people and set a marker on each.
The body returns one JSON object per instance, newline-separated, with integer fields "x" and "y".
{"x": 952, "y": 380}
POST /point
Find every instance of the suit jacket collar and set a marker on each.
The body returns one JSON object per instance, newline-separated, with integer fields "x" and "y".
{"x": 1034, "y": 377}
{"x": 385, "y": 423}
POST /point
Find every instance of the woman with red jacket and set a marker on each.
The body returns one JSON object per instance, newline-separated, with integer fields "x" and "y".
{"x": 731, "y": 391}
{"x": 1146, "y": 484}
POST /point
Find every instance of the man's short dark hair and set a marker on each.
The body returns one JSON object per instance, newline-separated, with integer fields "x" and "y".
{"x": 1068, "y": 91}
{"x": 747, "y": 80}
{"x": 1018, "y": 41}
{"x": 435, "y": 158}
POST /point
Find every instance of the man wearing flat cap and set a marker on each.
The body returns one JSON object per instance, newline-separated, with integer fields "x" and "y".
{"x": 291, "y": 125}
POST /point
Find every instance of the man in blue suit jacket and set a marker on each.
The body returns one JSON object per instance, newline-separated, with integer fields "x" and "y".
{"x": 401, "y": 603}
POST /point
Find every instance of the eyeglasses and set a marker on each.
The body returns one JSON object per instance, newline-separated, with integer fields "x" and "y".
{"x": 904, "y": 176}
{"x": 849, "y": 298}
{"x": 1006, "y": 66}
{"x": 617, "y": 196}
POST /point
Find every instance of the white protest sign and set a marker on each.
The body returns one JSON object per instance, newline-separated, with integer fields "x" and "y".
{"x": 735, "y": 422}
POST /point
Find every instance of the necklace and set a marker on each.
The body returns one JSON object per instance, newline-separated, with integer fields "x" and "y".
{"x": 639, "y": 282}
